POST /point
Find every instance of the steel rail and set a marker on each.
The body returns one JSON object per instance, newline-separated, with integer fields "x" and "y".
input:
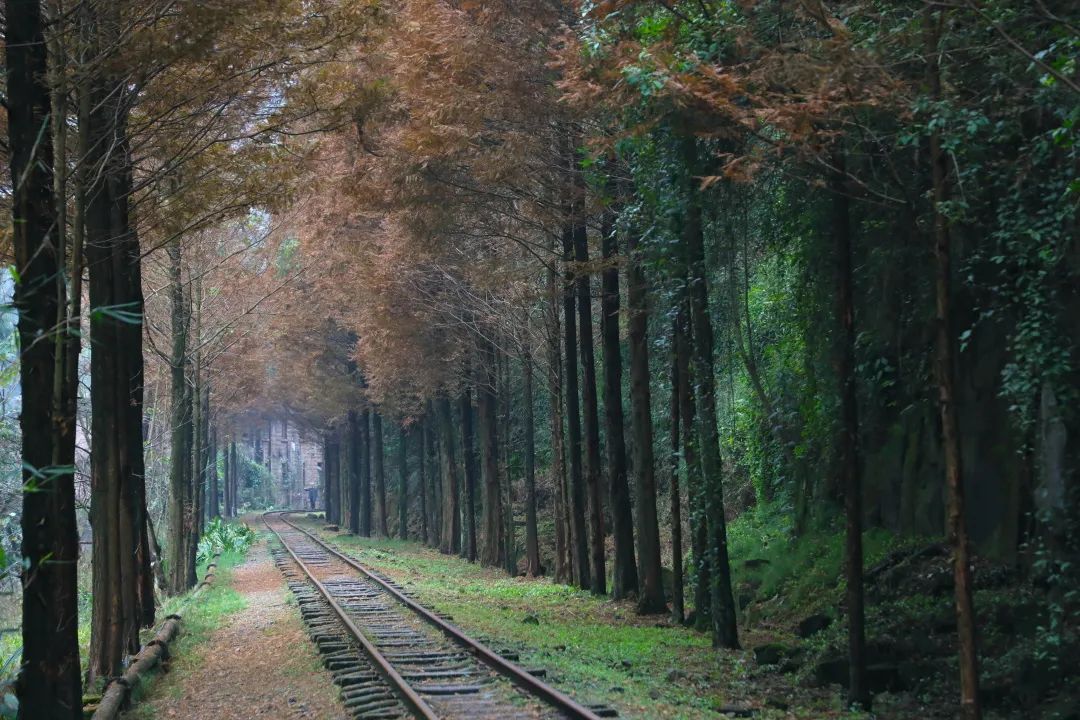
{"x": 416, "y": 703}
{"x": 521, "y": 678}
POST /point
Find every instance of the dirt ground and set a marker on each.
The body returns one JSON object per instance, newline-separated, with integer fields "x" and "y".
{"x": 260, "y": 664}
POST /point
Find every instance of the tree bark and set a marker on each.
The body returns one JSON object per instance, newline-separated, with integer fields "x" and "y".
{"x": 848, "y": 437}
{"x": 379, "y": 468}
{"x": 354, "y": 472}
{"x": 215, "y": 490}
{"x": 724, "y": 633}
{"x": 328, "y": 498}
{"x": 403, "y": 484}
{"x": 49, "y": 684}
{"x": 533, "y": 568}
{"x": 123, "y": 580}
{"x": 468, "y": 454}
{"x": 234, "y": 504}
{"x": 451, "y": 516}
{"x": 651, "y": 583}
{"x": 694, "y": 481}
{"x": 678, "y": 611}
{"x": 421, "y": 464}
{"x": 487, "y": 410}
{"x": 945, "y": 374}
{"x": 578, "y": 534}
{"x": 589, "y": 404}
{"x": 364, "y": 452}
{"x": 180, "y": 450}
{"x": 434, "y": 474}
{"x": 624, "y": 574}
{"x": 563, "y": 572}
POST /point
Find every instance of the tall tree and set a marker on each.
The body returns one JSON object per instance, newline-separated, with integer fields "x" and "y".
{"x": 180, "y": 447}
{"x": 678, "y": 613}
{"x": 849, "y": 461}
{"x": 589, "y": 408}
{"x": 487, "y": 409}
{"x": 624, "y": 576}
{"x": 421, "y": 469}
{"x": 945, "y": 375}
{"x": 722, "y": 600}
{"x": 379, "y": 470}
{"x": 364, "y": 455}
{"x": 651, "y": 594}
{"x": 355, "y": 459}
{"x": 468, "y": 456}
{"x": 563, "y": 573}
{"x": 49, "y": 683}
{"x": 450, "y": 540}
{"x": 403, "y": 483}
{"x": 533, "y": 568}
{"x": 579, "y": 540}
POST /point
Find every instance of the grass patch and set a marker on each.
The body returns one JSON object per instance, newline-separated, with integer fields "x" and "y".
{"x": 597, "y": 649}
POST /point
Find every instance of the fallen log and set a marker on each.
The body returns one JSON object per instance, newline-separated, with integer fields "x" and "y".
{"x": 118, "y": 691}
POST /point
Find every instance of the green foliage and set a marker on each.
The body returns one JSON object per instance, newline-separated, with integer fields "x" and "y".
{"x": 1056, "y": 565}
{"x": 224, "y": 537}
{"x": 769, "y": 560}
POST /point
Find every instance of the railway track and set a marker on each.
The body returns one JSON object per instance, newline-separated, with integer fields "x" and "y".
{"x": 392, "y": 657}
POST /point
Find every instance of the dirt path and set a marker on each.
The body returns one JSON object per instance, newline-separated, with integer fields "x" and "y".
{"x": 259, "y": 665}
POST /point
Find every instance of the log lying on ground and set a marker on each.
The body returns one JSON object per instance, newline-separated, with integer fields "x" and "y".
{"x": 119, "y": 690}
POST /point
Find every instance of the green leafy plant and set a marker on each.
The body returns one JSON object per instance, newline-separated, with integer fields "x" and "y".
{"x": 223, "y": 537}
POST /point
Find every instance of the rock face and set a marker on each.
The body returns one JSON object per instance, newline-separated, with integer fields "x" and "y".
{"x": 813, "y": 625}
{"x": 880, "y": 677}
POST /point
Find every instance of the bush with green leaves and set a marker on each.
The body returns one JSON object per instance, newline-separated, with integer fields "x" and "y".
{"x": 223, "y": 537}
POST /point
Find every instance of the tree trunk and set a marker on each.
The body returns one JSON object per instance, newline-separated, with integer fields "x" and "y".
{"x": 694, "y": 481}
{"x": 234, "y": 495}
{"x": 678, "y": 614}
{"x": 180, "y": 450}
{"x": 403, "y": 484}
{"x": 379, "y": 469}
{"x": 533, "y": 568}
{"x": 333, "y": 488}
{"x": 354, "y": 472}
{"x": 651, "y": 583}
{"x": 589, "y": 406}
{"x": 328, "y": 495}
{"x": 945, "y": 374}
{"x": 578, "y": 534}
{"x": 364, "y": 446}
{"x": 468, "y": 453}
{"x": 451, "y": 515}
{"x": 434, "y": 475}
{"x": 421, "y": 465}
{"x": 487, "y": 410}
{"x": 123, "y": 580}
{"x": 563, "y": 573}
{"x": 507, "y": 541}
{"x": 625, "y": 575}
{"x": 848, "y": 438}
{"x": 49, "y": 684}
{"x": 191, "y": 540}
{"x": 215, "y": 507}
{"x": 725, "y": 633}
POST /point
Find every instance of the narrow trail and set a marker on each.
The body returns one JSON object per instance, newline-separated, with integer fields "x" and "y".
{"x": 259, "y": 664}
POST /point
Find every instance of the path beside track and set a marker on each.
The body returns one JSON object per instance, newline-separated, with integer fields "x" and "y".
{"x": 259, "y": 664}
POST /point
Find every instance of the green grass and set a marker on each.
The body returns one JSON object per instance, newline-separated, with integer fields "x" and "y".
{"x": 597, "y": 649}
